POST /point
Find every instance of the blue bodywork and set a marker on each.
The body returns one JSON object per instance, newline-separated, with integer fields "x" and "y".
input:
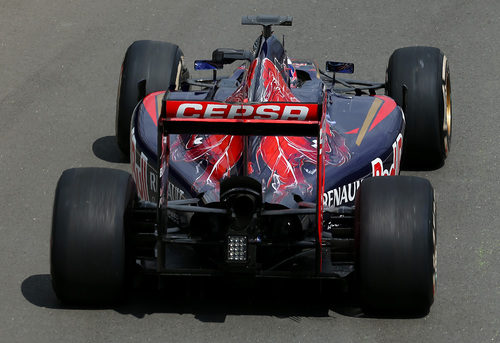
{"x": 365, "y": 140}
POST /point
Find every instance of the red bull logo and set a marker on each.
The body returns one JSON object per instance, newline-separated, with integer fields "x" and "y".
{"x": 378, "y": 165}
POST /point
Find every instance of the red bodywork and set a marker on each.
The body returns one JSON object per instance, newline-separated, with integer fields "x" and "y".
{"x": 284, "y": 156}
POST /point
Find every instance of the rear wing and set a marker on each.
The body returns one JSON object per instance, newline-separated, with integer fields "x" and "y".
{"x": 270, "y": 118}
{"x": 243, "y": 119}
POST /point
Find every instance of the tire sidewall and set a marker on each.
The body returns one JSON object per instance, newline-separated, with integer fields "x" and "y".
{"x": 89, "y": 252}
{"x": 148, "y": 66}
{"x": 396, "y": 263}
{"x": 424, "y": 73}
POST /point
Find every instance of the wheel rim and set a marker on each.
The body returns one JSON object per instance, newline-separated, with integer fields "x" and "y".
{"x": 178, "y": 74}
{"x": 434, "y": 245}
{"x": 447, "y": 111}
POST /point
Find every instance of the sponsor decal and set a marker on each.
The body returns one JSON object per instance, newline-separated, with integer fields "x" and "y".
{"x": 267, "y": 111}
{"x": 174, "y": 193}
{"x": 146, "y": 178}
{"x": 153, "y": 181}
{"x": 139, "y": 163}
{"x": 378, "y": 165}
{"x": 347, "y": 193}
{"x": 300, "y": 64}
{"x": 341, "y": 195}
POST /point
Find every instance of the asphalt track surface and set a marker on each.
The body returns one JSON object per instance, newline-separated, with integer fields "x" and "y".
{"x": 59, "y": 66}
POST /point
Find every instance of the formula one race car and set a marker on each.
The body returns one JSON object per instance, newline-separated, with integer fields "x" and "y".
{"x": 278, "y": 170}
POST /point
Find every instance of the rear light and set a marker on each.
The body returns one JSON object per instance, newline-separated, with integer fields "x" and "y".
{"x": 237, "y": 248}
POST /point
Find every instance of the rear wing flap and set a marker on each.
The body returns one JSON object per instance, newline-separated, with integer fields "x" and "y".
{"x": 269, "y": 119}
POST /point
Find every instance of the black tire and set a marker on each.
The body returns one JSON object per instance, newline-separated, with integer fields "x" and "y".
{"x": 88, "y": 257}
{"x": 148, "y": 66}
{"x": 424, "y": 74}
{"x": 396, "y": 240}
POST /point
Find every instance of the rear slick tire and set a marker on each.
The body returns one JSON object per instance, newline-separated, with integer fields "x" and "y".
{"x": 88, "y": 257}
{"x": 396, "y": 240}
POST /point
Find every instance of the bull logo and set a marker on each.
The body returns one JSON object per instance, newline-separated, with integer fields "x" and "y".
{"x": 214, "y": 157}
{"x": 291, "y": 162}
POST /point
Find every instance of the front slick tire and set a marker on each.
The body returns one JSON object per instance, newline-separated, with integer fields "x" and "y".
{"x": 396, "y": 233}
{"x": 88, "y": 255}
{"x": 148, "y": 66}
{"x": 418, "y": 79}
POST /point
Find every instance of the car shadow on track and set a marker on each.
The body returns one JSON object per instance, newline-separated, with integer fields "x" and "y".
{"x": 106, "y": 149}
{"x": 213, "y": 300}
